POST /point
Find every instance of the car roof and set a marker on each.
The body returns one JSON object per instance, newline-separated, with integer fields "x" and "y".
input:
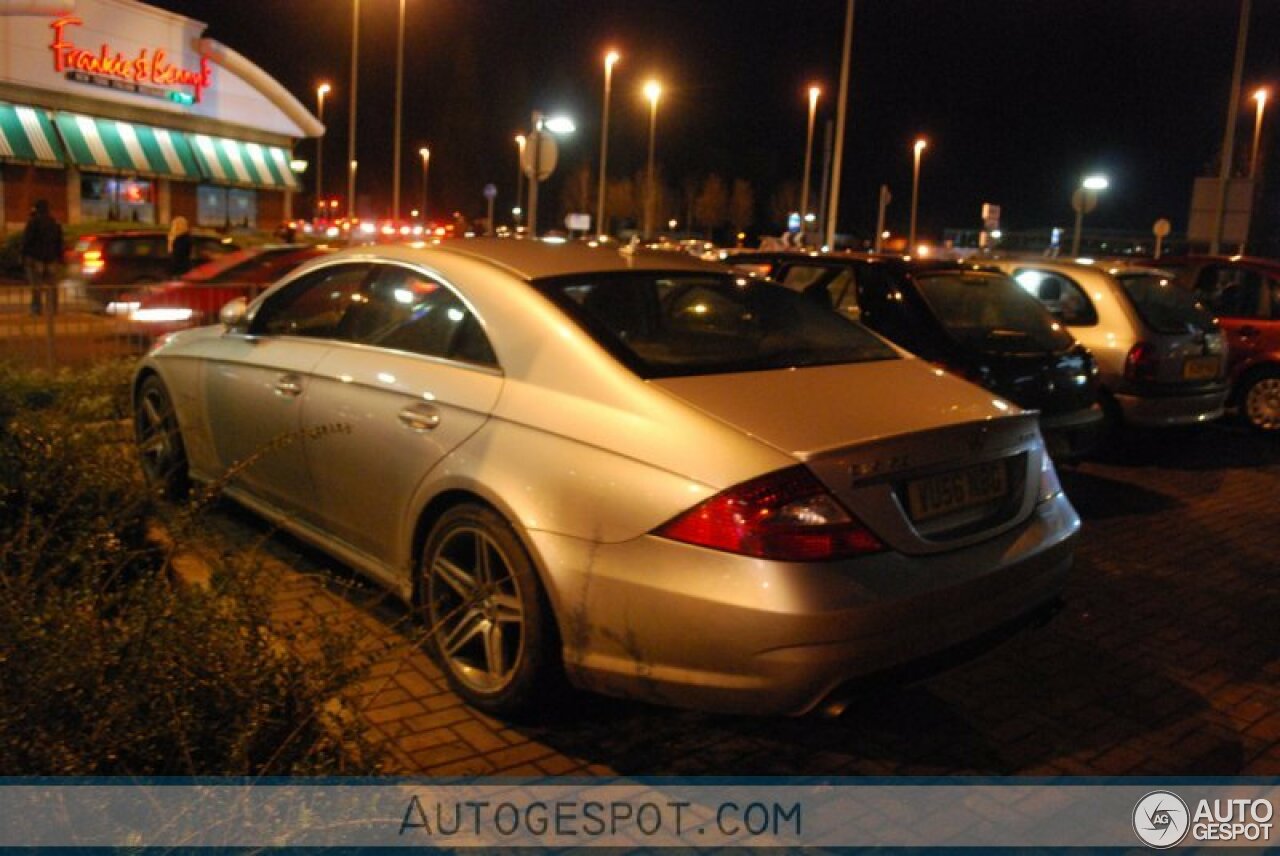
{"x": 540, "y": 259}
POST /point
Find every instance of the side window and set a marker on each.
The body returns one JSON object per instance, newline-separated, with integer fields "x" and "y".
{"x": 1231, "y": 292}
{"x": 1274, "y": 288}
{"x": 313, "y": 305}
{"x": 405, "y": 310}
{"x": 210, "y": 248}
{"x": 1061, "y": 295}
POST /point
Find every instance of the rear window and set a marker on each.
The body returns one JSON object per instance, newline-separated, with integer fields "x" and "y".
{"x": 990, "y": 312}
{"x": 680, "y": 324}
{"x": 1163, "y": 306}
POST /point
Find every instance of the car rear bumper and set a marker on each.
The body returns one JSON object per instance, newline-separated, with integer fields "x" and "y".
{"x": 1168, "y": 410}
{"x": 1070, "y": 435}
{"x": 690, "y": 627}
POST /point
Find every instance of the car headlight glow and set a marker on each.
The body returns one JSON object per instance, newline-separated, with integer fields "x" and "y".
{"x": 162, "y": 314}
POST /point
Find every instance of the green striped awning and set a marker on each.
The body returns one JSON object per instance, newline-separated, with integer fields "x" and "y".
{"x": 249, "y": 164}
{"x": 26, "y": 134}
{"x": 127, "y": 147}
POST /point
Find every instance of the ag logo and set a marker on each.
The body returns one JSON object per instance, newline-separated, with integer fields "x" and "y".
{"x": 1161, "y": 819}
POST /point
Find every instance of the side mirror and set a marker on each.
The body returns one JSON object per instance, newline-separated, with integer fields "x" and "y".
{"x": 233, "y": 315}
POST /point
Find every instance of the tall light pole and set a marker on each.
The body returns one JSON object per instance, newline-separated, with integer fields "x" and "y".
{"x": 351, "y": 120}
{"x": 610, "y": 59}
{"x": 1261, "y": 97}
{"x": 1084, "y": 200}
{"x": 814, "y": 92}
{"x": 1229, "y": 133}
{"x": 652, "y": 91}
{"x": 515, "y": 212}
{"x": 425, "y": 154}
{"x": 321, "y": 91}
{"x": 395, "y": 149}
{"x": 919, "y": 148}
{"x": 842, "y": 109}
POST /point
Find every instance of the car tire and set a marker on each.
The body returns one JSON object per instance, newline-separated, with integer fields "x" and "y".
{"x": 490, "y": 626}
{"x": 1260, "y": 401}
{"x": 159, "y": 439}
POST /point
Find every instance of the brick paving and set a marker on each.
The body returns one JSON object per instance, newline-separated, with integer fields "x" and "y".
{"x": 1165, "y": 661}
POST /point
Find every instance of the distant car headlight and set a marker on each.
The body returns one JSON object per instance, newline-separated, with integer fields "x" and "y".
{"x": 162, "y": 314}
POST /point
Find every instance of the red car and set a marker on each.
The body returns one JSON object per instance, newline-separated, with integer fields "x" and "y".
{"x": 1245, "y": 295}
{"x": 195, "y": 299}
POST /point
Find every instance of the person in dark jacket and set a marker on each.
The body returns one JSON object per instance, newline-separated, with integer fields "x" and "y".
{"x": 179, "y": 246}
{"x": 41, "y": 254}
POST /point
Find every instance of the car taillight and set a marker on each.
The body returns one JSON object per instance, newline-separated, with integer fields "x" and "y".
{"x": 1142, "y": 362}
{"x": 91, "y": 262}
{"x": 786, "y": 516}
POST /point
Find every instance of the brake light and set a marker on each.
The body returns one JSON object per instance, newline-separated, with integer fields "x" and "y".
{"x": 786, "y": 516}
{"x": 1142, "y": 361}
{"x": 91, "y": 262}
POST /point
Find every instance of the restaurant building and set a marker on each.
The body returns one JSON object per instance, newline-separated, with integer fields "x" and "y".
{"x": 116, "y": 110}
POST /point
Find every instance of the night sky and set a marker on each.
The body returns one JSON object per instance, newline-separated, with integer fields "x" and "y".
{"x": 1018, "y": 98}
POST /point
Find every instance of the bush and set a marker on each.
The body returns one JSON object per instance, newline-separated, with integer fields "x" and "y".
{"x": 107, "y": 666}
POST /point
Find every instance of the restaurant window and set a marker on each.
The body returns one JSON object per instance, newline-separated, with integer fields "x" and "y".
{"x": 109, "y": 197}
{"x": 226, "y": 207}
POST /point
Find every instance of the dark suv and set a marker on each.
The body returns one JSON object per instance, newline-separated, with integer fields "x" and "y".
{"x": 101, "y": 265}
{"x": 976, "y": 323}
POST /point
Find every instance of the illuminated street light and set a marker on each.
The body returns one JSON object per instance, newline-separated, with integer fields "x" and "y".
{"x": 515, "y": 212}
{"x": 814, "y": 92}
{"x": 919, "y": 147}
{"x": 652, "y": 91}
{"x": 425, "y": 154}
{"x": 1261, "y": 97}
{"x": 321, "y": 91}
{"x": 610, "y": 59}
{"x": 1084, "y": 200}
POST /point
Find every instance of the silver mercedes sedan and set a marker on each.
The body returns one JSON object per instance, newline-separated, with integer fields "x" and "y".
{"x": 635, "y": 470}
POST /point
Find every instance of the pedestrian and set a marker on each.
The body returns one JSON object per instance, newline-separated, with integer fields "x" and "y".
{"x": 41, "y": 253}
{"x": 179, "y": 246}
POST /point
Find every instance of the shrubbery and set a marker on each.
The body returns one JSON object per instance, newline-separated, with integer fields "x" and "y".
{"x": 109, "y": 667}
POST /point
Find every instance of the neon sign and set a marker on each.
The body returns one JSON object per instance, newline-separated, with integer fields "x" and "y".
{"x": 148, "y": 67}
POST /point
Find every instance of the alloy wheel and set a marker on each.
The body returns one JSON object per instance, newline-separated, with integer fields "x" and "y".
{"x": 1262, "y": 403}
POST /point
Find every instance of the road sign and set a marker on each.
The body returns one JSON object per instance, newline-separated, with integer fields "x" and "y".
{"x": 544, "y": 145}
{"x": 1162, "y": 228}
{"x": 1083, "y": 201}
{"x": 577, "y": 222}
{"x": 990, "y": 216}
{"x": 490, "y": 192}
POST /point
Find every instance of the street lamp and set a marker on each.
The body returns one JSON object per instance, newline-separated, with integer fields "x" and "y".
{"x": 652, "y": 91}
{"x": 1261, "y": 97}
{"x": 395, "y": 149}
{"x": 351, "y": 110}
{"x": 814, "y": 92}
{"x": 1084, "y": 200}
{"x": 919, "y": 148}
{"x": 515, "y": 212}
{"x": 425, "y": 154}
{"x": 321, "y": 91}
{"x": 539, "y": 128}
{"x": 610, "y": 59}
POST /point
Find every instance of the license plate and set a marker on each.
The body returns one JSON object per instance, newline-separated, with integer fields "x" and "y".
{"x": 1200, "y": 368}
{"x": 938, "y": 495}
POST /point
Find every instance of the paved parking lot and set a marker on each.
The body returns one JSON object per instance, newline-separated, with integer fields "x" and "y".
{"x": 1165, "y": 661}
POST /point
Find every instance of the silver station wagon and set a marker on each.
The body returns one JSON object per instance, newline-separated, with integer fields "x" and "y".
{"x": 635, "y": 470}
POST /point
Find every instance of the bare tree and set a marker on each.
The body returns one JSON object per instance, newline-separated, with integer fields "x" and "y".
{"x": 742, "y": 205}
{"x": 785, "y": 202}
{"x": 711, "y": 208}
{"x": 575, "y": 194}
{"x": 622, "y": 200}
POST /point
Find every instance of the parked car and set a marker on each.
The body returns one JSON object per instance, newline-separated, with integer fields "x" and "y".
{"x": 637, "y": 469}
{"x": 1244, "y": 294}
{"x": 99, "y": 265}
{"x": 200, "y": 294}
{"x": 977, "y": 324}
{"x": 1162, "y": 357}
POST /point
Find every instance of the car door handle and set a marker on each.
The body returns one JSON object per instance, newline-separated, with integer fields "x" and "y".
{"x": 289, "y": 386}
{"x": 420, "y": 417}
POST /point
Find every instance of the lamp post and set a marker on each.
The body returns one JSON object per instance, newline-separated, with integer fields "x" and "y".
{"x": 544, "y": 149}
{"x": 425, "y": 154}
{"x": 521, "y": 139}
{"x": 1261, "y": 97}
{"x": 351, "y": 118}
{"x": 814, "y": 92}
{"x": 321, "y": 91}
{"x": 610, "y": 59}
{"x": 652, "y": 91}
{"x": 919, "y": 148}
{"x": 1084, "y": 200}
{"x": 395, "y": 149}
